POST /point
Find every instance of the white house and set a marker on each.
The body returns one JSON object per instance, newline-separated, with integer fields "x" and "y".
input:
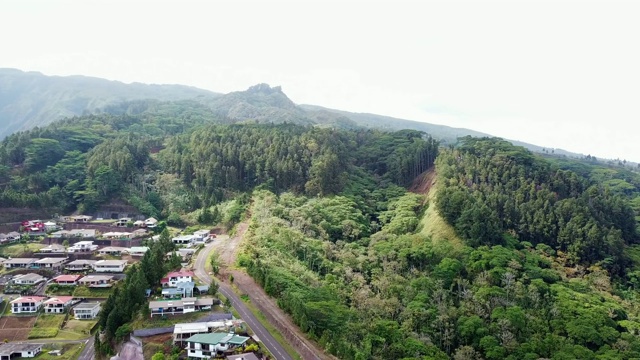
{"x": 50, "y": 226}
{"x": 83, "y": 247}
{"x": 28, "y": 279}
{"x": 112, "y": 250}
{"x": 53, "y": 249}
{"x": 206, "y": 346}
{"x": 86, "y": 311}
{"x": 27, "y": 304}
{"x": 80, "y": 265}
{"x": 122, "y": 222}
{"x": 50, "y": 263}
{"x": 19, "y": 350}
{"x": 115, "y": 235}
{"x": 58, "y": 304}
{"x": 173, "y": 278}
{"x": 177, "y": 307}
{"x": 110, "y": 266}
{"x": 82, "y": 233}
{"x": 151, "y": 222}
{"x": 183, "y": 239}
{"x": 138, "y": 250}
{"x": 96, "y": 281}
{"x": 80, "y": 218}
{"x": 138, "y": 223}
{"x": 19, "y": 263}
{"x": 201, "y": 236}
{"x": 60, "y": 234}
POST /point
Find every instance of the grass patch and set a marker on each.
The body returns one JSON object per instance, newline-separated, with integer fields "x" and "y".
{"x": 69, "y": 351}
{"x": 436, "y": 228}
{"x": 149, "y": 349}
{"x": 76, "y": 329}
{"x": 40, "y": 333}
{"x": 62, "y": 290}
{"x": 16, "y": 250}
{"x": 85, "y": 292}
{"x": 47, "y": 321}
{"x": 46, "y": 326}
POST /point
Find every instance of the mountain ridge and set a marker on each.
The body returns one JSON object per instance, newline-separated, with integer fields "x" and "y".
{"x": 30, "y": 98}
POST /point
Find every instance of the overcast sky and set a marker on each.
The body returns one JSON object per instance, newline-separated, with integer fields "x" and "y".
{"x": 563, "y": 74}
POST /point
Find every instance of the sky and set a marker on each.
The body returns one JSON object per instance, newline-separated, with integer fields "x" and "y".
{"x": 559, "y": 74}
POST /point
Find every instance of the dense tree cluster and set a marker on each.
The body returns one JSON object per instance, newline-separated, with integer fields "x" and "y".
{"x": 128, "y": 300}
{"x": 392, "y": 293}
{"x": 491, "y": 187}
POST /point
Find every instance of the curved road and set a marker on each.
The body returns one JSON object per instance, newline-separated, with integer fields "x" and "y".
{"x": 272, "y": 345}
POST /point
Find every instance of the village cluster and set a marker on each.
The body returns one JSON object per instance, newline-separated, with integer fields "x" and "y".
{"x": 77, "y": 255}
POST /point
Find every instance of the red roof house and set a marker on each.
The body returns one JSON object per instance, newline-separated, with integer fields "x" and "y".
{"x": 175, "y": 277}
{"x": 67, "y": 279}
{"x": 58, "y": 304}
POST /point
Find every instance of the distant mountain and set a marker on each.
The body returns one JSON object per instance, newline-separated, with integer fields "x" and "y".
{"x": 30, "y": 99}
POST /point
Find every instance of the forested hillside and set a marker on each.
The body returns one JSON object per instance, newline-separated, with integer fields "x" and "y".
{"x": 545, "y": 270}
{"x": 542, "y": 261}
{"x": 179, "y": 157}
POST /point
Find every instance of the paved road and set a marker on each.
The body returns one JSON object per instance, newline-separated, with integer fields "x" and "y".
{"x": 272, "y": 345}
{"x": 88, "y": 353}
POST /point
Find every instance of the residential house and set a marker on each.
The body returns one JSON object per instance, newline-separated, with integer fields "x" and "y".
{"x": 3, "y": 238}
{"x": 83, "y": 233}
{"x": 80, "y": 218}
{"x": 221, "y": 322}
{"x": 201, "y": 236}
{"x": 183, "y": 256}
{"x": 86, "y": 310}
{"x": 19, "y": 350}
{"x": 69, "y": 280}
{"x": 138, "y": 223}
{"x": 60, "y": 234}
{"x": 96, "y": 281}
{"x": 175, "y": 277}
{"x": 80, "y": 265}
{"x": 50, "y": 263}
{"x": 202, "y": 289}
{"x": 114, "y": 235}
{"x": 138, "y": 250}
{"x": 183, "y": 239}
{"x": 182, "y": 289}
{"x": 177, "y": 307}
{"x": 138, "y": 233}
{"x": 151, "y": 222}
{"x": 122, "y": 222}
{"x": 112, "y": 250}
{"x": 28, "y": 279}
{"x": 19, "y": 263}
{"x": 27, "y": 304}
{"x": 58, "y": 304}
{"x": 110, "y": 266}
{"x": 53, "y": 249}
{"x": 50, "y": 226}
{"x": 13, "y": 236}
{"x": 83, "y": 247}
{"x": 207, "y": 346}
{"x": 245, "y": 356}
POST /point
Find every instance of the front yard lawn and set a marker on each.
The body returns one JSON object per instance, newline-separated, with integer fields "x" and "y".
{"x": 85, "y": 292}
{"x": 46, "y": 326}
